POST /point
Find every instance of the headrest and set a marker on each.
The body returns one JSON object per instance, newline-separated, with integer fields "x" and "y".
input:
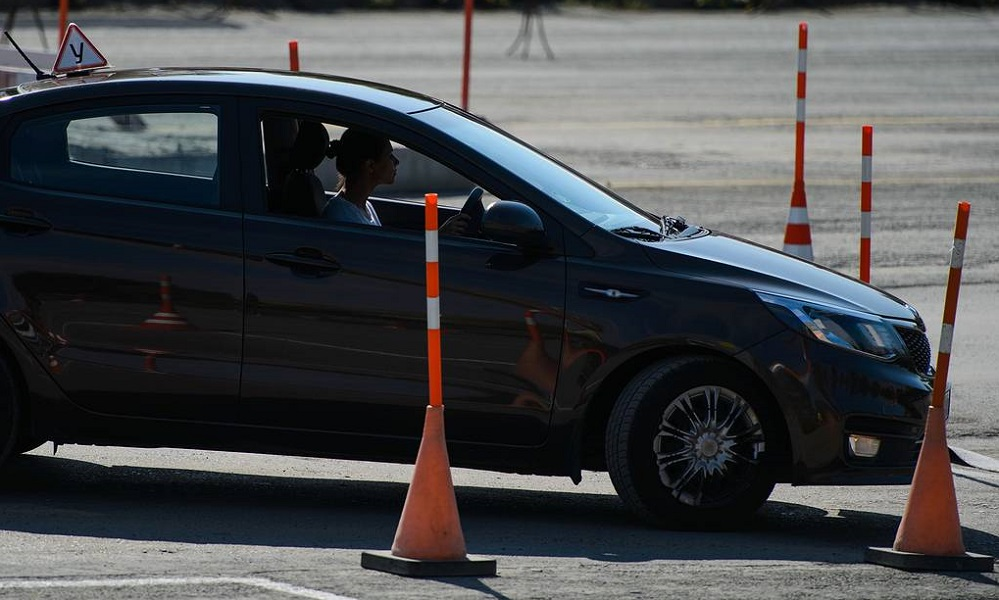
{"x": 280, "y": 133}
{"x": 310, "y": 145}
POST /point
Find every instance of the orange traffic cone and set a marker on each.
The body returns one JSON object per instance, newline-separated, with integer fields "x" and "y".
{"x": 429, "y": 528}
{"x": 428, "y": 541}
{"x": 798, "y": 232}
{"x": 929, "y": 536}
{"x": 930, "y": 523}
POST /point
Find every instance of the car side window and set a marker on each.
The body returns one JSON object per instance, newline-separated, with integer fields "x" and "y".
{"x": 161, "y": 154}
{"x": 301, "y": 176}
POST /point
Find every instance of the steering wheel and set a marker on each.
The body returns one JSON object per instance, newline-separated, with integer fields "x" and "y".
{"x": 474, "y": 209}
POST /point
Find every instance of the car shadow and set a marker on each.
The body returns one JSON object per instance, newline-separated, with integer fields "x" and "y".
{"x": 58, "y": 496}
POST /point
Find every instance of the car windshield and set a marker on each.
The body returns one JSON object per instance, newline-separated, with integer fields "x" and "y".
{"x": 584, "y": 197}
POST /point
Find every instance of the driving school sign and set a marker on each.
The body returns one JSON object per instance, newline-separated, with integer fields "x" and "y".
{"x": 77, "y": 53}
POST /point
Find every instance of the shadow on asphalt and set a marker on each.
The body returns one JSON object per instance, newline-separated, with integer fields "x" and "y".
{"x": 56, "y": 496}
{"x": 193, "y": 19}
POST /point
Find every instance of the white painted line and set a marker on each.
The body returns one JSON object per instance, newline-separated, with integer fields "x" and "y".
{"x": 746, "y": 122}
{"x": 258, "y": 582}
{"x": 786, "y": 181}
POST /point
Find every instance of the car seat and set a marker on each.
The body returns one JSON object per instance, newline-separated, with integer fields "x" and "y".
{"x": 279, "y": 137}
{"x": 304, "y": 195}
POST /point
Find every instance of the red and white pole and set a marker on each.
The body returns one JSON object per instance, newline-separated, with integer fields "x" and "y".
{"x": 466, "y": 61}
{"x": 798, "y": 233}
{"x": 430, "y": 528}
{"x": 293, "y": 55}
{"x": 866, "y": 148}
{"x": 931, "y": 524}
{"x": 929, "y": 537}
{"x": 950, "y": 304}
{"x": 433, "y": 302}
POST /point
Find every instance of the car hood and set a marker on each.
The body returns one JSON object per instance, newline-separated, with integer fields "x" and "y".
{"x": 730, "y": 260}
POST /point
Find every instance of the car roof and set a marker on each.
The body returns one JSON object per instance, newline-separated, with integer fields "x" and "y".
{"x": 226, "y": 81}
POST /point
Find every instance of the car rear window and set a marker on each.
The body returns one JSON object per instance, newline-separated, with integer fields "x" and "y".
{"x": 160, "y": 155}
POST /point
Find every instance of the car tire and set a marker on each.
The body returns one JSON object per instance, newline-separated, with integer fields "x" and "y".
{"x": 692, "y": 443}
{"x": 9, "y": 411}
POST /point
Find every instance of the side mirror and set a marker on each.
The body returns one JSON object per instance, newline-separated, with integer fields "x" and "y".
{"x": 514, "y": 223}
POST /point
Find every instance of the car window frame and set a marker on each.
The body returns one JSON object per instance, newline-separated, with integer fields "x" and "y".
{"x": 399, "y": 127}
{"x": 228, "y": 141}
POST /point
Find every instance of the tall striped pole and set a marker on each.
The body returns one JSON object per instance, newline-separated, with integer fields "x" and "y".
{"x": 429, "y": 541}
{"x": 798, "y": 233}
{"x": 433, "y": 302}
{"x": 950, "y": 304}
{"x": 429, "y": 528}
{"x": 866, "y": 147}
{"x": 929, "y": 537}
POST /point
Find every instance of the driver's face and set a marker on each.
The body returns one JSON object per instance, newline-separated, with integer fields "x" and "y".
{"x": 384, "y": 167}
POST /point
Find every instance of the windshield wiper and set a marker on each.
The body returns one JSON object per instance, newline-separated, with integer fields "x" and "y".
{"x": 639, "y": 233}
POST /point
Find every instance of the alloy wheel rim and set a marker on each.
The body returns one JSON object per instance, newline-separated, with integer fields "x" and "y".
{"x": 708, "y": 446}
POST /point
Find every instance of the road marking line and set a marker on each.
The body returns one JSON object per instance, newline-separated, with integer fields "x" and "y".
{"x": 732, "y": 183}
{"x": 258, "y": 582}
{"x": 750, "y": 122}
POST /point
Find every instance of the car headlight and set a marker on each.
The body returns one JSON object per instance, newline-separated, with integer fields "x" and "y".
{"x": 853, "y": 330}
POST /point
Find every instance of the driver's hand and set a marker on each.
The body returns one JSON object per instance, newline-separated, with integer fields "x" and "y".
{"x": 456, "y": 225}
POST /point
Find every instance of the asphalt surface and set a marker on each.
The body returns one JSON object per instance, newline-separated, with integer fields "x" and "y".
{"x": 684, "y": 113}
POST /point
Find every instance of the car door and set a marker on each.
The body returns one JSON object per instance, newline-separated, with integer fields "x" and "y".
{"x": 336, "y": 326}
{"x": 123, "y": 253}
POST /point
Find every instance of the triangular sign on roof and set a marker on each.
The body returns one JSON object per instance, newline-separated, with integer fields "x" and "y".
{"x": 77, "y": 53}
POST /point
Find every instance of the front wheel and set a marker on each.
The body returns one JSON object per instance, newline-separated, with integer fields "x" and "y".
{"x": 692, "y": 443}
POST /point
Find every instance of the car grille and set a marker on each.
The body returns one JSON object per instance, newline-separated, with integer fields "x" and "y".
{"x": 918, "y": 346}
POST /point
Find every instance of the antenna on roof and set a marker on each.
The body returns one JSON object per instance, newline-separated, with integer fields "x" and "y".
{"x": 39, "y": 74}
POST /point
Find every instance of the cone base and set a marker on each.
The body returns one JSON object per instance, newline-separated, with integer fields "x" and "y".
{"x": 909, "y": 561}
{"x": 408, "y": 567}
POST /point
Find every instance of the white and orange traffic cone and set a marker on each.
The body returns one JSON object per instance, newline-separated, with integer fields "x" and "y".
{"x": 798, "y": 232}
{"x": 929, "y": 536}
{"x": 428, "y": 541}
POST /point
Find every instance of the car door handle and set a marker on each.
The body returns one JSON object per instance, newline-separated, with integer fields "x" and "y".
{"x": 305, "y": 261}
{"x": 23, "y": 222}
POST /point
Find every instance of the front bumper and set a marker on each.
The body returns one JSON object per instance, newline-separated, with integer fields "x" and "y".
{"x": 826, "y": 394}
